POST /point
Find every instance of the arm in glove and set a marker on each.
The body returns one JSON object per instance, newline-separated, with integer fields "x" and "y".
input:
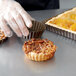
{"x": 13, "y": 14}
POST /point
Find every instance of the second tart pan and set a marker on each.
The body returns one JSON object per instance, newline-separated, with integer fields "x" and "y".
{"x": 36, "y": 31}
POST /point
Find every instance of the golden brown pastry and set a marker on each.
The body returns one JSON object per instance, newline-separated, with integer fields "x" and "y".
{"x": 39, "y": 49}
{"x": 66, "y": 20}
{"x": 2, "y": 36}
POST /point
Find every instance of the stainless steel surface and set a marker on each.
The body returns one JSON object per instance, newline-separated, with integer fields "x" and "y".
{"x": 14, "y": 63}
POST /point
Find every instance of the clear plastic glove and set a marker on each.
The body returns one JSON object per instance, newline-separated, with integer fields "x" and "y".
{"x": 13, "y": 14}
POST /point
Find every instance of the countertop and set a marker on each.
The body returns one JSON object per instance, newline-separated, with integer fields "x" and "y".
{"x": 14, "y": 63}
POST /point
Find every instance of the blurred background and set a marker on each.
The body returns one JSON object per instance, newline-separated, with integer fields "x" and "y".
{"x": 66, "y": 4}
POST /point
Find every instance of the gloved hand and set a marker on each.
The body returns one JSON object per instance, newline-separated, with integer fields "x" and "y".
{"x": 13, "y": 14}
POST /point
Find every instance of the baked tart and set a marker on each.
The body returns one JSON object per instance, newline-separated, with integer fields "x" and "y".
{"x": 2, "y": 36}
{"x": 66, "y": 20}
{"x": 39, "y": 49}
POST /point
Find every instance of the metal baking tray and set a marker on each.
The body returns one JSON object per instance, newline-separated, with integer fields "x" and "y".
{"x": 61, "y": 31}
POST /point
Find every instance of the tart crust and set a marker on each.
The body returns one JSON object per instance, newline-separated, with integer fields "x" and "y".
{"x": 39, "y": 49}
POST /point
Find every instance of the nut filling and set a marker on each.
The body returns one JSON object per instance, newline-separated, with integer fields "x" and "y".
{"x": 39, "y": 46}
{"x": 2, "y": 36}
